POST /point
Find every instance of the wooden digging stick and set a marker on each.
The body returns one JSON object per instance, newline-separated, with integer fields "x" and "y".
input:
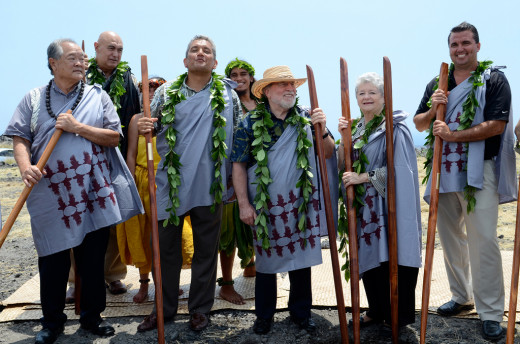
{"x": 434, "y": 203}
{"x": 328, "y": 211}
{"x": 511, "y": 316}
{"x": 27, "y": 190}
{"x": 390, "y": 191}
{"x": 153, "y": 207}
{"x": 346, "y": 136}
{"x": 77, "y": 277}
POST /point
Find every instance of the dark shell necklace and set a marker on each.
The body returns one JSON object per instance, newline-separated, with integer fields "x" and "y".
{"x": 48, "y": 98}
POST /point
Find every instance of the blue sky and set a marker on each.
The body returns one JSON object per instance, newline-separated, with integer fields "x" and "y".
{"x": 413, "y": 34}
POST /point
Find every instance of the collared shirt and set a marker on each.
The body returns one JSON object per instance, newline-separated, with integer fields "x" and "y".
{"x": 159, "y": 100}
{"x": 498, "y": 104}
{"x": 244, "y": 136}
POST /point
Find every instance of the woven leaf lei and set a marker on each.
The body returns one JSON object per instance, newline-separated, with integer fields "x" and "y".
{"x": 469, "y": 108}
{"x": 117, "y": 88}
{"x": 218, "y": 152}
{"x": 262, "y": 123}
{"x": 359, "y": 166}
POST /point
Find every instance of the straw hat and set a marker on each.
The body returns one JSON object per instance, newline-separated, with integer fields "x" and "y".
{"x": 275, "y": 74}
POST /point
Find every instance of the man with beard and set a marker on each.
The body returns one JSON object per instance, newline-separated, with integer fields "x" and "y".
{"x": 273, "y": 156}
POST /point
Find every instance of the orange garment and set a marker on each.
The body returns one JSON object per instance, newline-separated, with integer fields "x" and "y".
{"x": 133, "y": 236}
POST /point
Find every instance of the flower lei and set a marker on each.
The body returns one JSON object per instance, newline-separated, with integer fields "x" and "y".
{"x": 218, "y": 152}
{"x": 469, "y": 108}
{"x": 117, "y": 88}
{"x": 263, "y": 122}
{"x": 359, "y": 166}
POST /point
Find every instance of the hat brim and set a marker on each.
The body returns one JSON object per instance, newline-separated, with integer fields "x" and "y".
{"x": 259, "y": 85}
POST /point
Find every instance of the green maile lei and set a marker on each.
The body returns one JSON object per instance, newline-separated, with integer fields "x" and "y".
{"x": 117, "y": 87}
{"x": 218, "y": 152}
{"x": 263, "y": 122}
{"x": 359, "y": 166}
{"x": 469, "y": 109}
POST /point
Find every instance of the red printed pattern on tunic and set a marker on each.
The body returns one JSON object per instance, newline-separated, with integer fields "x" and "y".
{"x": 286, "y": 210}
{"x": 73, "y": 177}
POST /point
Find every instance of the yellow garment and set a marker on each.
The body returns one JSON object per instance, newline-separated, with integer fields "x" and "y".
{"x": 133, "y": 236}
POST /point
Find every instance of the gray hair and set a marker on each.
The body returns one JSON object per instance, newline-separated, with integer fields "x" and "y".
{"x": 371, "y": 78}
{"x": 55, "y": 50}
{"x": 203, "y": 38}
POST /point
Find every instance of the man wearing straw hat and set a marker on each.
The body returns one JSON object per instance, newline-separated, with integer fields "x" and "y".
{"x": 197, "y": 112}
{"x": 477, "y": 174}
{"x": 274, "y": 172}
{"x": 74, "y": 201}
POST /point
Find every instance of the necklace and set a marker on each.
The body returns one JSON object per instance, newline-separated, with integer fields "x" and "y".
{"x": 469, "y": 109}
{"x": 48, "y": 98}
{"x": 263, "y": 176}
{"x": 172, "y": 162}
{"x": 361, "y": 132}
{"x": 117, "y": 86}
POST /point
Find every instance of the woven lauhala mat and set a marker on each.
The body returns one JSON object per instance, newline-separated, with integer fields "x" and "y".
{"x": 24, "y": 304}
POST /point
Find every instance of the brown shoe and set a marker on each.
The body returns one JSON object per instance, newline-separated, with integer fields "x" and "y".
{"x": 116, "y": 287}
{"x": 198, "y": 321}
{"x": 149, "y": 323}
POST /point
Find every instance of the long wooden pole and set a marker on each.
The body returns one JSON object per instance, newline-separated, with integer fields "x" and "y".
{"x": 153, "y": 207}
{"x": 513, "y": 298}
{"x": 77, "y": 277}
{"x": 346, "y": 136}
{"x": 27, "y": 189}
{"x": 328, "y": 211}
{"x": 434, "y": 203}
{"x": 390, "y": 198}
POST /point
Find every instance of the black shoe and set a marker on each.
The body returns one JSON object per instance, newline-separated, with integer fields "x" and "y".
{"x": 451, "y": 308}
{"x": 491, "y": 330}
{"x": 262, "y": 326}
{"x": 48, "y": 336}
{"x": 363, "y": 322}
{"x": 306, "y": 324}
{"x": 100, "y": 328}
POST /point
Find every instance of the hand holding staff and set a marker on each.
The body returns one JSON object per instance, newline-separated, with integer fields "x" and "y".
{"x": 27, "y": 190}
{"x": 390, "y": 188}
{"x": 346, "y": 136}
{"x": 328, "y": 210}
{"x": 153, "y": 207}
{"x": 434, "y": 203}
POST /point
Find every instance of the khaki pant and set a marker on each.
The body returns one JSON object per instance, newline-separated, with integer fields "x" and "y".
{"x": 469, "y": 242}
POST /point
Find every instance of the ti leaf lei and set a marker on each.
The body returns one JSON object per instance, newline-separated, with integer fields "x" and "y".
{"x": 117, "y": 88}
{"x": 469, "y": 108}
{"x": 218, "y": 152}
{"x": 359, "y": 166}
{"x": 262, "y": 122}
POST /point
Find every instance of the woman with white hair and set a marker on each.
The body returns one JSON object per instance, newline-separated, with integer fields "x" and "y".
{"x": 369, "y": 159}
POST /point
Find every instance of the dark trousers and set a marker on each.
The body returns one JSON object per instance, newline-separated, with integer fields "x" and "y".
{"x": 54, "y": 273}
{"x": 377, "y": 287}
{"x": 206, "y": 232}
{"x": 300, "y": 294}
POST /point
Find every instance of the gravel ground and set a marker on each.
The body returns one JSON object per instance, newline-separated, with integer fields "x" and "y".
{"x": 18, "y": 263}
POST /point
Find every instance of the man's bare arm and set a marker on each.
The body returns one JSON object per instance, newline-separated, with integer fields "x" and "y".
{"x": 479, "y": 132}
{"x": 247, "y": 212}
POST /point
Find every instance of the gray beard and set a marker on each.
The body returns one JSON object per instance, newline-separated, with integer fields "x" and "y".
{"x": 287, "y": 104}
